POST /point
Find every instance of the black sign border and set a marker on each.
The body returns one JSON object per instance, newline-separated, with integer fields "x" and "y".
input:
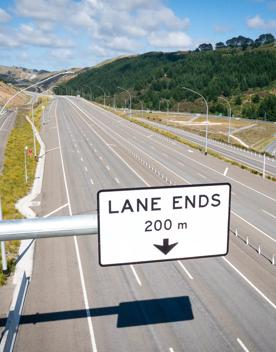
{"x": 162, "y": 187}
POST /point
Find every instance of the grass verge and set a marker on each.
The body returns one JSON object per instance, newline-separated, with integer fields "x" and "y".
{"x": 190, "y": 144}
{"x": 12, "y": 180}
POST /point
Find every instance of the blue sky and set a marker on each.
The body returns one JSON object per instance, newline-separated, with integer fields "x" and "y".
{"x": 56, "y": 34}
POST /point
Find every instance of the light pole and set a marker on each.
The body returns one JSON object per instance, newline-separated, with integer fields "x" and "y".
{"x": 207, "y": 117}
{"x": 43, "y": 115}
{"x": 90, "y": 90}
{"x": 25, "y": 163}
{"x": 229, "y": 117}
{"x": 129, "y": 98}
{"x": 32, "y": 85}
{"x": 103, "y": 92}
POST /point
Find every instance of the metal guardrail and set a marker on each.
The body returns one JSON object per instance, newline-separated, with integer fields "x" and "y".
{"x": 60, "y": 226}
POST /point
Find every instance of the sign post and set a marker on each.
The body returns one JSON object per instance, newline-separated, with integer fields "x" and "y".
{"x": 163, "y": 223}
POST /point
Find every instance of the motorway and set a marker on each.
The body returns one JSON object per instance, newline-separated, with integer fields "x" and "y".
{"x": 247, "y": 157}
{"x": 6, "y": 124}
{"x": 73, "y": 304}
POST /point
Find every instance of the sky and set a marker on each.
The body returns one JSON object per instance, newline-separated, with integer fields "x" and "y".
{"x": 59, "y": 34}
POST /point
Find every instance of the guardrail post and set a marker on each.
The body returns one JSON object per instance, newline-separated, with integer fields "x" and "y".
{"x": 236, "y": 232}
{"x": 273, "y": 259}
{"x": 259, "y": 249}
{"x": 247, "y": 240}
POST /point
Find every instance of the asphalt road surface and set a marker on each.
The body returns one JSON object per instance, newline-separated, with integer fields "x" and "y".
{"x": 73, "y": 304}
{"x": 6, "y": 125}
{"x": 249, "y": 158}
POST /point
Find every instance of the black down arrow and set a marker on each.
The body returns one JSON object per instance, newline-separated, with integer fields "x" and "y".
{"x": 165, "y": 247}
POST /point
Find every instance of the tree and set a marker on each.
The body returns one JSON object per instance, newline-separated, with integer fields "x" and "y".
{"x": 205, "y": 47}
{"x": 220, "y": 45}
{"x": 264, "y": 39}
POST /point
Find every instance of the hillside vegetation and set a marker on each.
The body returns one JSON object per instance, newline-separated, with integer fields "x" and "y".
{"x": 246, "y": 75}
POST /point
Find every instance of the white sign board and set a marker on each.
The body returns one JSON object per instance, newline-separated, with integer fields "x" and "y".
{"x": 163, "y": 223}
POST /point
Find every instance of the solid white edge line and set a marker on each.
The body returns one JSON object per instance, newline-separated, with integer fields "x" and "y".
{"x": 140, "y": 177}
{"x": 225, "y": 171}
{"x": 266, "y": 212}
{"x": 193, "y": 160}
{"x": 242, "y": 345}
{"x": 226, "y": 260}
{"x": 89, "y": 318}
{"x": 133, "y": 145}
{"x": 186, "y": 271}
{"x": 250, "y": 284}
{"x": 136, "y": 275}
{"x": 56, "y": 210}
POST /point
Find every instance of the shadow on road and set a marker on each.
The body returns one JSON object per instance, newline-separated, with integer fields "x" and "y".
{"x": 135, "y": 313}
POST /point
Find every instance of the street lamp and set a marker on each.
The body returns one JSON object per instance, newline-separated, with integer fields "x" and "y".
{"x": 25, "y": 163}
{"x": 207, "y": 117}
{"x": 129, "y": 98}
{"x": 229, "y": 117}
{"x": 90, "y": 90}
{"x": 103, "y": 93}
{"x": 32, "y": 85}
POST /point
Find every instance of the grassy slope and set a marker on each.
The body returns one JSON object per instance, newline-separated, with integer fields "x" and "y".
{"x": 155, "y": 77}
{"x": 12, "y": 180}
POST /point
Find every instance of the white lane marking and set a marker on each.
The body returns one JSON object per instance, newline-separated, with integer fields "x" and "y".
{"x": 251, "y": 284}
{"x": 227, "y": 261}
{"x": 201, "y": 175}
{"x": 136, "y": 275}
{"x": 225, "y": 172}
{"x": 50, "y": 150}
{"x": 124, "y": 139}
{"x": 56, "y": 210}
{"x": 171, "y": 349}
{"x": 81, "y": 159}
{"x": 4, "y": 123}
{"x": 104, "y": 141}
{"x": 117, "y": 180}
{"x": 242, "y": 345}
{"x": 255, "y": 227}
{"x": 91, "y": 181}
{"x": 107, "y": 167}
{"x": 84, "y": 292}
{"x": 269, "y": 213}
{"x": 190, "y": 151}
{"x": 186, "y": 271}
{"x": 85, "y": 168}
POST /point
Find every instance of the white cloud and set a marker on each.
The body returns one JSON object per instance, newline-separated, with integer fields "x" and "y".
{"x": 34, "y": 36}
{"x": 170, "y": 40}
{"x": 4, "y": 16}
{"x": 256, "y": 22}
{"x": 102, "y": 28}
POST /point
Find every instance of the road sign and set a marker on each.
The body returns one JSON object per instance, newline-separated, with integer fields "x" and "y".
{"x": 163, "y": 223}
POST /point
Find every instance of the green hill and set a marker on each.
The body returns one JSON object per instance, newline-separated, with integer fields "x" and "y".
{"x": 246, "y": 76}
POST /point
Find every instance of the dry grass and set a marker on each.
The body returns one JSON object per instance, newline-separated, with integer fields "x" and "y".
{"x": 7, "y": 91}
